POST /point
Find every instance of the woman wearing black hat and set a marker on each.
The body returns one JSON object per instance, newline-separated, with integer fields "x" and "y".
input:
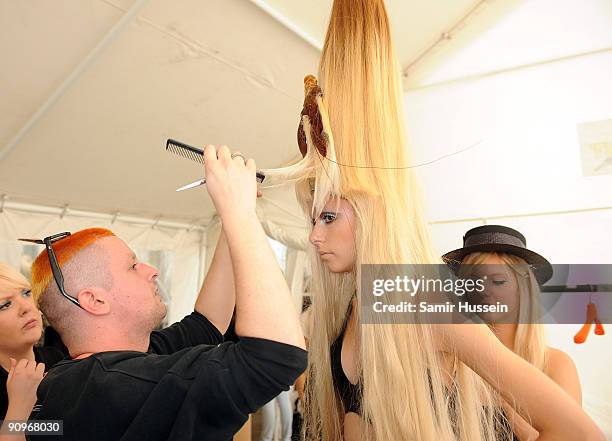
{"x": 513, "y": 276}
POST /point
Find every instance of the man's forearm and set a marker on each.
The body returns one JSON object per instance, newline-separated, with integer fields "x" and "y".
{"x": 217, "y": 296}
{"x": 264, "y": 307}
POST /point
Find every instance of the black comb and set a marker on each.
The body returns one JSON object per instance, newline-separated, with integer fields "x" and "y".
{"x": 195, "y": 154}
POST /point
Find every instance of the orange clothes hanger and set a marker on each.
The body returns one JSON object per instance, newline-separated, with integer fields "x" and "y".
{"x": 591, "y": 316}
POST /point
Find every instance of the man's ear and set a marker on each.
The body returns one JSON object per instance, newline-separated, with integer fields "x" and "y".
{"x": 94, "y": 301}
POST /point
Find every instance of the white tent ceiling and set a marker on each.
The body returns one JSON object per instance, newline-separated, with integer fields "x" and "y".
{"x": 92, "y": 89}
{"x": 511, "y": 34}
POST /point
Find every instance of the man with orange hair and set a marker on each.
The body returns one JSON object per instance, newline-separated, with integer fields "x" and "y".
{"x": 125, "y": 381}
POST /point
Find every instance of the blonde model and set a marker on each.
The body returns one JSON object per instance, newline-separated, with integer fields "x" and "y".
{"x": 22, "y": 364}
{"x": 514, "y": 274}
{"x": 409, "y": 382}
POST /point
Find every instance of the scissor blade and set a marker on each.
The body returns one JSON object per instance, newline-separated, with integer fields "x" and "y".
{"x": 192, "y": 185}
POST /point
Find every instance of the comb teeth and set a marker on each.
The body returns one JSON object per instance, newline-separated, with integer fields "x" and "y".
{"x": 184, "y": 150}
{"x": 195, "y": 154}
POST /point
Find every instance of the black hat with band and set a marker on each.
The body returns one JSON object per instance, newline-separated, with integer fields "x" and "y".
{"x": 500, "y": 239}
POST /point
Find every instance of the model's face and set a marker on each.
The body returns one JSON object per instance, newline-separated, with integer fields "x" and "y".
{"x": 333, "y": 235}
{"x": 500, "y": 286}
{"x": 20, "y": 319}
{"x": 134, "y": 290}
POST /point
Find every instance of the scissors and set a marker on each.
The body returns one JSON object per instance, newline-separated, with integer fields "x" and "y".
{"x": 259, "y": 176}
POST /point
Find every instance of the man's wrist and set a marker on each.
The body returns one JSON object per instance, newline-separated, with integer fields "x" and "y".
{"x": 238, "y": 221}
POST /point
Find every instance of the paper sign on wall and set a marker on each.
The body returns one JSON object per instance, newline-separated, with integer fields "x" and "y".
{"x": 596, "y": 147}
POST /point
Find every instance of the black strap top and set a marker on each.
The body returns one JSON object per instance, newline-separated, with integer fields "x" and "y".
{"x": 350, "y": 393}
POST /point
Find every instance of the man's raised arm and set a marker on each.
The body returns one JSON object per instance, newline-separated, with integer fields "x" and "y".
{"x": 264, "y": 308}
{"x": 217, "y": 297}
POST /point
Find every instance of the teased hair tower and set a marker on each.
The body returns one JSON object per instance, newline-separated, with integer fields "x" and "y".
{"x": 357, "y": 151}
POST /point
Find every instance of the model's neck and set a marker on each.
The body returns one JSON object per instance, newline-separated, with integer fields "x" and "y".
{"x": 25, "y": 352}
{"x": 506, "y": 333}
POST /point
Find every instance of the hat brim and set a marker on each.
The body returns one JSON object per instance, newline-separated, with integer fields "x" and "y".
{"x": 542, "y": 268}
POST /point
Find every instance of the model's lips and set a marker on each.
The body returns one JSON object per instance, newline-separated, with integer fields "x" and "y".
{"x": 32, "y": 323}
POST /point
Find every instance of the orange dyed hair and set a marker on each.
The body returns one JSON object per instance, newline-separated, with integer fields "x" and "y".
{"x": 64, "y": 249}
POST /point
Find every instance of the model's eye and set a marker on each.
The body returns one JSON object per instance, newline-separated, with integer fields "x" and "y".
{"x": 27, "y": 293}
{"x": 5, "y": 305}
{"x": 498, "y": 282}
{"x": 134, "y": 266}
{"x": 327, "y": 217}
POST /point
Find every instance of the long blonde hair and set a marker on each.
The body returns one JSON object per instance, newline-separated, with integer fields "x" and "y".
{"x": 529, "y": 341}
{"x": 404, "y": 394}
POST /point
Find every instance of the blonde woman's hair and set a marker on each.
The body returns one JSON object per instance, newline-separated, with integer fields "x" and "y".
{"x": 406, "y": 395}
{"x": 529, "y": 341}
{"x": 10, "y": 278}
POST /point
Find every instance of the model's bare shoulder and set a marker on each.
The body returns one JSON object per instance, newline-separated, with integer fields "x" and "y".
{"x": 557, "y": 360}
{"x": 562, "y": 370}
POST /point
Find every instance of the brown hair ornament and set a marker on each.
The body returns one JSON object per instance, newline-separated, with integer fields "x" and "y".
{"x": 311, "y": 121}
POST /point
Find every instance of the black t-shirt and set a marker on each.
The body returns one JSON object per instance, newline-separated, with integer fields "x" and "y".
{"x": 187, "y": 387}
{"x": 47, "y": 355}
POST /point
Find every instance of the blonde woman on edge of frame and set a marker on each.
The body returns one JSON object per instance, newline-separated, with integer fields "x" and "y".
{"x": 513, "y": 275}
{"x": 22, "y": 363}
{"x": 378, "y": 381}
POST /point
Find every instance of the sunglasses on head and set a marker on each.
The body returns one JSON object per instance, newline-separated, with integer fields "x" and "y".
{"x": 55, "y": 268}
